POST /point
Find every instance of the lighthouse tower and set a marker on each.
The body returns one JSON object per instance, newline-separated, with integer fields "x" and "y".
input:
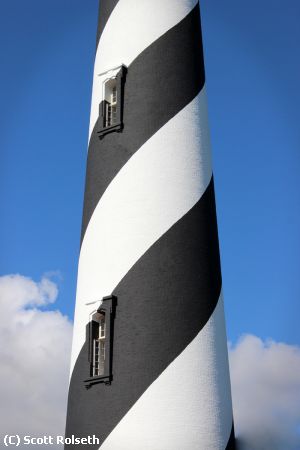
{"x": 149, "y": 364}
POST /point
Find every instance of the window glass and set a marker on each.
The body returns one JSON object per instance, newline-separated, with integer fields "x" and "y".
{"x": 111, "y": 102}
{"x": 99, "y": 346}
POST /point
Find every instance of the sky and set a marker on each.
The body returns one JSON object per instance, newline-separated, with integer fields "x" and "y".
{"x": 252, "y": 72}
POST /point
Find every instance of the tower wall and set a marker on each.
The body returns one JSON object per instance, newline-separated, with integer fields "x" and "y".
{"x": 149, "y": 237}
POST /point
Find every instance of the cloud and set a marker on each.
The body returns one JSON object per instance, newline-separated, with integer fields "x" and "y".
{"x": 265, "y": 379}
{"x": 35, "y": 356}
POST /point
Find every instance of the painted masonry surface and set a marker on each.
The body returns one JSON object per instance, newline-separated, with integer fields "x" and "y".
{"x": 149, "y": 364}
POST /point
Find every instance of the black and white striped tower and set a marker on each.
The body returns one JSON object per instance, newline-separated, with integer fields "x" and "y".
{"x": 149, "y": 364}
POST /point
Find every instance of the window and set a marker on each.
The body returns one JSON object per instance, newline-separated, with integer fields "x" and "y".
{"x": 111, "y": 106}
{"x": 99, "y": 346}
{"x": 100, "y": 331}
{"x": 111, "y": 103}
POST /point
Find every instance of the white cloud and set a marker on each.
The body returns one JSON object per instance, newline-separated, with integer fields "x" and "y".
{"x": 35, "y": 357}
{"x": 265, "y": 379}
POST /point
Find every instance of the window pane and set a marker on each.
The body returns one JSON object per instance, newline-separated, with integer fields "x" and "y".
{"x": 110, "y": 98}
{"x": 99, "y": 347}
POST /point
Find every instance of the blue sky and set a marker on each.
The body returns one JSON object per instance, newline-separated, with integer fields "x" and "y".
{"x": 252, "y": 66}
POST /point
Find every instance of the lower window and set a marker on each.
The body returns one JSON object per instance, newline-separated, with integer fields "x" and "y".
{"x": 100, "y": 333}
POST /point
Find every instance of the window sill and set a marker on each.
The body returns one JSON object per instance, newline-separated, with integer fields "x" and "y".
{"x": 106, "y": 379}
{"x": 106, "y": 130}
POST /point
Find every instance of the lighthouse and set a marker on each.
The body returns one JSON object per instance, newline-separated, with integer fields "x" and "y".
{"x": 149, "y": 366}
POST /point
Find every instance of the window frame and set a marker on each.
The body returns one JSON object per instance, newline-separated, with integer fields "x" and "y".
{"x": 99, "y": 345}
{"x": 107, "y": 307}
{"x": 118, "y": 74}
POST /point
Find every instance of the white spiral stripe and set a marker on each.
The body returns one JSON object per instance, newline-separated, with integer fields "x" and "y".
{"x": 161, "y": 182}
{"x": 175, "y": 403}
{"x": 123, "y": 40}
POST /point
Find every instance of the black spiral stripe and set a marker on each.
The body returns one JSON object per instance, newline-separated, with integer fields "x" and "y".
{"x": 231, "y": 443}
{"x": 173, "y": 63}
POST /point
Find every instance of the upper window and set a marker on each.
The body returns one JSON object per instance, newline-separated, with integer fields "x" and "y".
{"x": 111, "y": 106}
